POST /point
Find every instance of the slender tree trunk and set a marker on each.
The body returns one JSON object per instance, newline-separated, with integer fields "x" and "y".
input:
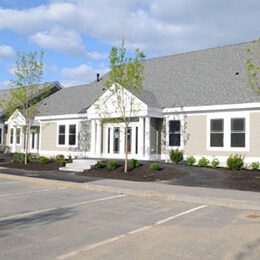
{"x": 27, "y": 136}
{"x": 126, "y": 149}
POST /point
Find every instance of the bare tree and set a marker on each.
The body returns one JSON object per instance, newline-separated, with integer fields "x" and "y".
{"x": 26, "y": 92}
{"x": 125, "y": 82}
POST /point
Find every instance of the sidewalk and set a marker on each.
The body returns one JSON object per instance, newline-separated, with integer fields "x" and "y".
{"x": 219, "y": 197}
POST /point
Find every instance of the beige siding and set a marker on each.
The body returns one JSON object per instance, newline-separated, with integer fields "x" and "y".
{"x": 196, "y": 138}
{"x": 156, "y": 129}
{"x": 255, "y": 134}
{"x": 195, "y": 135}
{"x": 49, "y": 137}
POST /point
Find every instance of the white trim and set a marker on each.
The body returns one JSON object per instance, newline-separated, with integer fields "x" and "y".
{"x": 65, "y": 116}
{"x": 212, "y": 108}
{"x": 73, "y": 154}
{"x": 227, "y": 116}
{"x": 2, "y": 135}
{"x": 67, "y": 124}
{"x": 182, "y": 131}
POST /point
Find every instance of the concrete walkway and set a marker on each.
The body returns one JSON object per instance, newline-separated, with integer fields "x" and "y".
{"x": 219, "y": 197}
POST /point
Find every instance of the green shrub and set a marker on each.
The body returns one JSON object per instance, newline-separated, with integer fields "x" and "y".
{"x": 235, "y": 162}
{"x": 62, "y": 162}
{"x": 133, "y": 163}
{"x": 191, "y": 160}
{"x": 43, "y": 160}
{"x": 19, "y": 158}
{"x": 112, "y": 165}
{"x": 176, "y": 156}
{"x": 255, "y": 166}
{"x": 60, "y": 158}
{"x": 99, "y": 165}
{"x": 203, "y": 162}
{"x": 215, "y": 163}
{"x": 155, "y": 166}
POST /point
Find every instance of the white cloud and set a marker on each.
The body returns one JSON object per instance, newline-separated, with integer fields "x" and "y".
{"x": 80, "y": 75}
{"x": 96, "y": 55}
{"x": 6, "y": 51}
{"x": 159, "y": 27}
{"x": 65, "y": 41}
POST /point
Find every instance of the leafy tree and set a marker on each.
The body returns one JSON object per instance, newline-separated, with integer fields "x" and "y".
{"x": 25, "y": 92}
{"x": 126, "y": 73}
{"x": 253, "y": 65}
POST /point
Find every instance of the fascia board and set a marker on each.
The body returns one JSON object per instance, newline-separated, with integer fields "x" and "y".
{"x": 212, "y": 108}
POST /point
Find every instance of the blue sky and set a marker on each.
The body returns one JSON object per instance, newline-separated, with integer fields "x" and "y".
{"x": 77, "y": 35}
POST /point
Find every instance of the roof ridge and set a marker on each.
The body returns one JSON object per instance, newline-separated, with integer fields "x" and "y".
{"x": 201, "y": 50}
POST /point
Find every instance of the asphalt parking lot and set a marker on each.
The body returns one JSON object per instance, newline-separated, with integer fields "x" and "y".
{"x": 46, "y": 222}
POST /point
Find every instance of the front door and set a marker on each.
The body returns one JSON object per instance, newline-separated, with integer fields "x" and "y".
{"x": 116, "y": 140}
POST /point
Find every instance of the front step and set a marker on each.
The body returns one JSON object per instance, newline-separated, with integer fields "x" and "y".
{"x": 79, "y": 165}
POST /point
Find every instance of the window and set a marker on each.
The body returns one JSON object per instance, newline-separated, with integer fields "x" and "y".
{"x": 174, "y": 133}
{"x": 228, "y": 131}
{"x": 1, "y": 135}
{"x": 33, "y": 140}
{"x": 18, "y": 135}
{"x": 136, "y": 140}
{"x": 238, "y": 132}
{"x": 108, "y": 140}
{"x": 62, "y": 135}
{"x": 72, "y": 134}
{"x": 129, "y": 139}
{"x": 216, "y": 132}
{"x": 67, "y": 134}
{"x": 116, "y": 139}
{"x": 11, "y": 136}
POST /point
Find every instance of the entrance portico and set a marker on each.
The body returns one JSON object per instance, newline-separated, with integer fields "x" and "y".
{"x": 109, "y": 126}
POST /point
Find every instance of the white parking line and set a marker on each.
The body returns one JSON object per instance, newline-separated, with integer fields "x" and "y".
{"x": 28, "y": 192}
{"x": 9, "y": 182}
{"x": 178, "y": 215}
{"x": 63, "y": 207}
{"x": 110, "y": 240}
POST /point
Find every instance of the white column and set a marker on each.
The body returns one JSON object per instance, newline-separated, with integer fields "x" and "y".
{"x": 93, "y": 138}
{"x": 14, "y": 140}
{"x": 141, "y": 140}
{"x": 99, "y": 139}
{"x": 147, "y": 138}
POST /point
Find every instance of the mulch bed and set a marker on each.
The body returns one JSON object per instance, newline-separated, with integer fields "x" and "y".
{"x": 142, "y": 173}
{"x": 242, "y": 180}
{"x": 239, "y": 180}
{"x": 33, "y": 166}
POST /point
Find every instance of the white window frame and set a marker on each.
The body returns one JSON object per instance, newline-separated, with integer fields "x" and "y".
{"x": 169, "y": 118}
{"x": 20, "y": 133}
{"x": 227, "y": 116}
{"x": 2, "y": 136}
{"x": 67, "y": 124}
{"x": 11, "y": 140}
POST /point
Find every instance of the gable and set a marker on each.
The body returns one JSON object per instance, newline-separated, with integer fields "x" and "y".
{"x": 116, "y": 102}
{"x": 16, "y": 118}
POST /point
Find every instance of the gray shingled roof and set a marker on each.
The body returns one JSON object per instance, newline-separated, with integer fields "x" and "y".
{"x": 72, "y": 100}
{"x": 207, "y": 77}
{"x": 5, "y": 94}
{"x": 201, "y": 78}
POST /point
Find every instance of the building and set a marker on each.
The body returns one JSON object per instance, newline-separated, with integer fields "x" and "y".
{"x": 199, "y": 102}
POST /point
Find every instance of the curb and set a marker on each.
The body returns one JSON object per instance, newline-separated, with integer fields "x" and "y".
{"x": 230, "y": 203}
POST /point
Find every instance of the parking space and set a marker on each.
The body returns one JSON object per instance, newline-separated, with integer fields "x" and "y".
{"x": 43, "y": 222}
